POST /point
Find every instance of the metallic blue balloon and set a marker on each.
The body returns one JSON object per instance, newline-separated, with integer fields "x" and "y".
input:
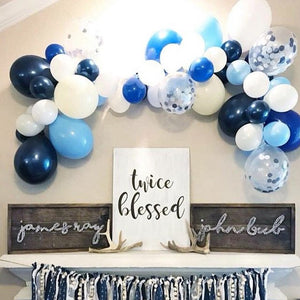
{"x": 232, "y": 49}
{"x": 258, "y": 111}
{"x": 24, "y": 69}
{"x": 53, "y": 50}
{"x": 159, "y": 40}
{"x": 41, "y": 87}
{"x": 134, "y": 90}
{"x": 201, "y": 69}
{"x": 292, "y": 120}
{"x": 232, "y": 115}
{"x": 88, "y": 69}
{"x": 36, "y": 160}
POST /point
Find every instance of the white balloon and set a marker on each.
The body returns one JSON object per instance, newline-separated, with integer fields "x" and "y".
{"x": 249, "y": 137}
{"x": 106, "y": 84}
{"x": 76, "y": 96}
{"x": 217, "y": 56}
{"x": 29, "y": 109}
{"x": 26, "y": 125}
{"x": 256, "y": 84}
{"x": 170, "y": 58}
{"x": 44, "y": 112}
{"x": 62, "y": 65}
{"x": 282, "y": 97}
{"x": 152, "y": 96}
{"x": 151, "y": 72}
{"x": 117, "y": 102}
{"x": 209, "y": 96}
{"x": 247, "y": 20}
{"x": 192, "y": 46}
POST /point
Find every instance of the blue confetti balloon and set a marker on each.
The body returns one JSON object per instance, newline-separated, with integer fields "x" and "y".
{"x": 278, "y": 80}
{"x": 237, "y": 72}
{"x": 159, "y": 40}
{"x": 134, "y": 90}
{"x": 41, "y": 87}
{"x": 88, "y": 69}
{"x": 267, "y": 168}
{"x": 232, "y": 49}
{"x": 201, "y": 69}
{"x": 53, "y": 50}
{"x": 276, "y": 133}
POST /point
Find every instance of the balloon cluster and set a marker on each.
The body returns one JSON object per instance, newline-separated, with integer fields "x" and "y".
{"x": 179, "y": 72}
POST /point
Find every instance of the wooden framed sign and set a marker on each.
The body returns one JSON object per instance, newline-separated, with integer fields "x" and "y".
{"x": 57, "y": 227}
{"x": 266, "y": 228}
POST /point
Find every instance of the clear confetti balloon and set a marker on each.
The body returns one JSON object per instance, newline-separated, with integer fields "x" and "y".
{"x": 274, "y": 51}
{"x": 267, "y": 168}
{"x": 176, "y": 93}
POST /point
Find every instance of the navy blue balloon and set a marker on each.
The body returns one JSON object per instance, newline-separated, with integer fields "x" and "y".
{"x": 222, "y": 75}
{"x": 22, "y": 138}
{"x": 201, "y": 69}
{"x": 159, "y": 40}
{"x": 24, "y": 69}
{"x": 233, "y": 50}
{"x": 232, "y": 115}
{"x": 258, "y": 111}
{"x": 36, "y": 160}
{"x": 53, "y": 50}
{"x": 88, "y": 69}
{"x": 41, "y": 87}
{"x": 292, "y": 120}
{"x": 134, "y": 90}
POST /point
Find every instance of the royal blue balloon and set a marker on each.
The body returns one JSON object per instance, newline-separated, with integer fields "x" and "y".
{"x": 41, "y": 87}
{"x": 159, "y": 40}
{"x": 201, "y": 69}
{"x": 210, "y": 30}
{"x": 233, "y": 50}
{"x": 53, "y": 50}
{"x": 134, "y": 90}
{"x": 72, "y": 138}
{"x": 292, "y": 120}
{"x": 278, "y": 80}
{"x": 88, "y": 69}
{"x": 232, "y": 115}
{"x": 237, "y": 72}
{"x": 258, "y": 111}
{"x": 35, "y": 161}
{"x": 24, "y": 69}
{"x": 276, "y": 133}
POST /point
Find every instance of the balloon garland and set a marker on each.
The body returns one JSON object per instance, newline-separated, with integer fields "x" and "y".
{"x": 178, "y": 73}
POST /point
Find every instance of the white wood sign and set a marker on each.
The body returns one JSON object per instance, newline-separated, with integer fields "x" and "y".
{"x": 151, "y": 195}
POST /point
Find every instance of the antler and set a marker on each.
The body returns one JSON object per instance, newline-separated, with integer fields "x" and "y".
{"x": 194, "y": 247}
{"x": 113, "y": 247}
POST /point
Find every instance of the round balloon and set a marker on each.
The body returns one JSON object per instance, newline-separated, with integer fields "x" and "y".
{"x": 201, "y": 69}
{"x": 237, "y": 71}
{"x": 170, "y": 58}
{"x": 27, "y": 126}
{"x": 106, "y": 84}
{"x": 53, "y": 50}
{"x": 44, "y": 112}
{"x": 267, "y": 168}
{"x": 134, "y": 91}
{"x": 247, "y": 20}
{"x": 249, "y": 137}
{"x": 22, "y": 138}
{"x": 88, "y": 69}
{"x": 117, "y": 102}
{"x": 258, "y": 111}
{"x": 278, "y": 80}
{"x": 151, "y": 72}
{"x": 41, "y": 87}
{"x": 276, "y": 133}
{"x": 232, "y": 115}
{"x": 256, "y": 84}
{"x": 71, "y": 138}
{"x": 232, "y": 49}
{"x": 35, "y": 161}
{"x": 217, "y": 56}
{"x": 76, "y": 96}
{"x": 152, "y": 96}
{"x": 24, "y": 69}
{"x": 62, "y": 66}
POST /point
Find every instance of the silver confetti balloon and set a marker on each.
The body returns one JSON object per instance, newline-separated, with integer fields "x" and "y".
{"x": 274, "y": 51}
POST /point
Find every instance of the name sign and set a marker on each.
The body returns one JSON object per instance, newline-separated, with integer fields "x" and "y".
{"x": 60, "y": 227}
{"x": 151, "y": 195}
{"x": 266, "y": 228}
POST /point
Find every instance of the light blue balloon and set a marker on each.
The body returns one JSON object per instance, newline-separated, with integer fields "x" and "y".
{"x": 237, "y": 72}
{"x": 211, "y": 32}
{"x": 276, "y": 133}
{"x": 71, "y": 138}
{"x": 101, "y": 100}
{"x": 278, "y": 80}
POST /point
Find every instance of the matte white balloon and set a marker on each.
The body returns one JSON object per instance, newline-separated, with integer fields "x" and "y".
{"x": 247, "y": 20}
{"x": 151, "y": 72}
{"x": 117, "y": 102}
{"x": 170, "y": 58}
{"x": 26, "y": 125}
{"x": 152, "y": 96}
{"x": 249, "y": 137}
{"x": 76, "y": 97}
{"x": 282, "y": 97}
{"x": 256, "y": 84}
{"x": 62, "y": 65}
{"x": 217, "y": 56}
{"x": 106, "y": 84}
{"x": 209, "y": 96}
{"x": 44, "y": 112}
